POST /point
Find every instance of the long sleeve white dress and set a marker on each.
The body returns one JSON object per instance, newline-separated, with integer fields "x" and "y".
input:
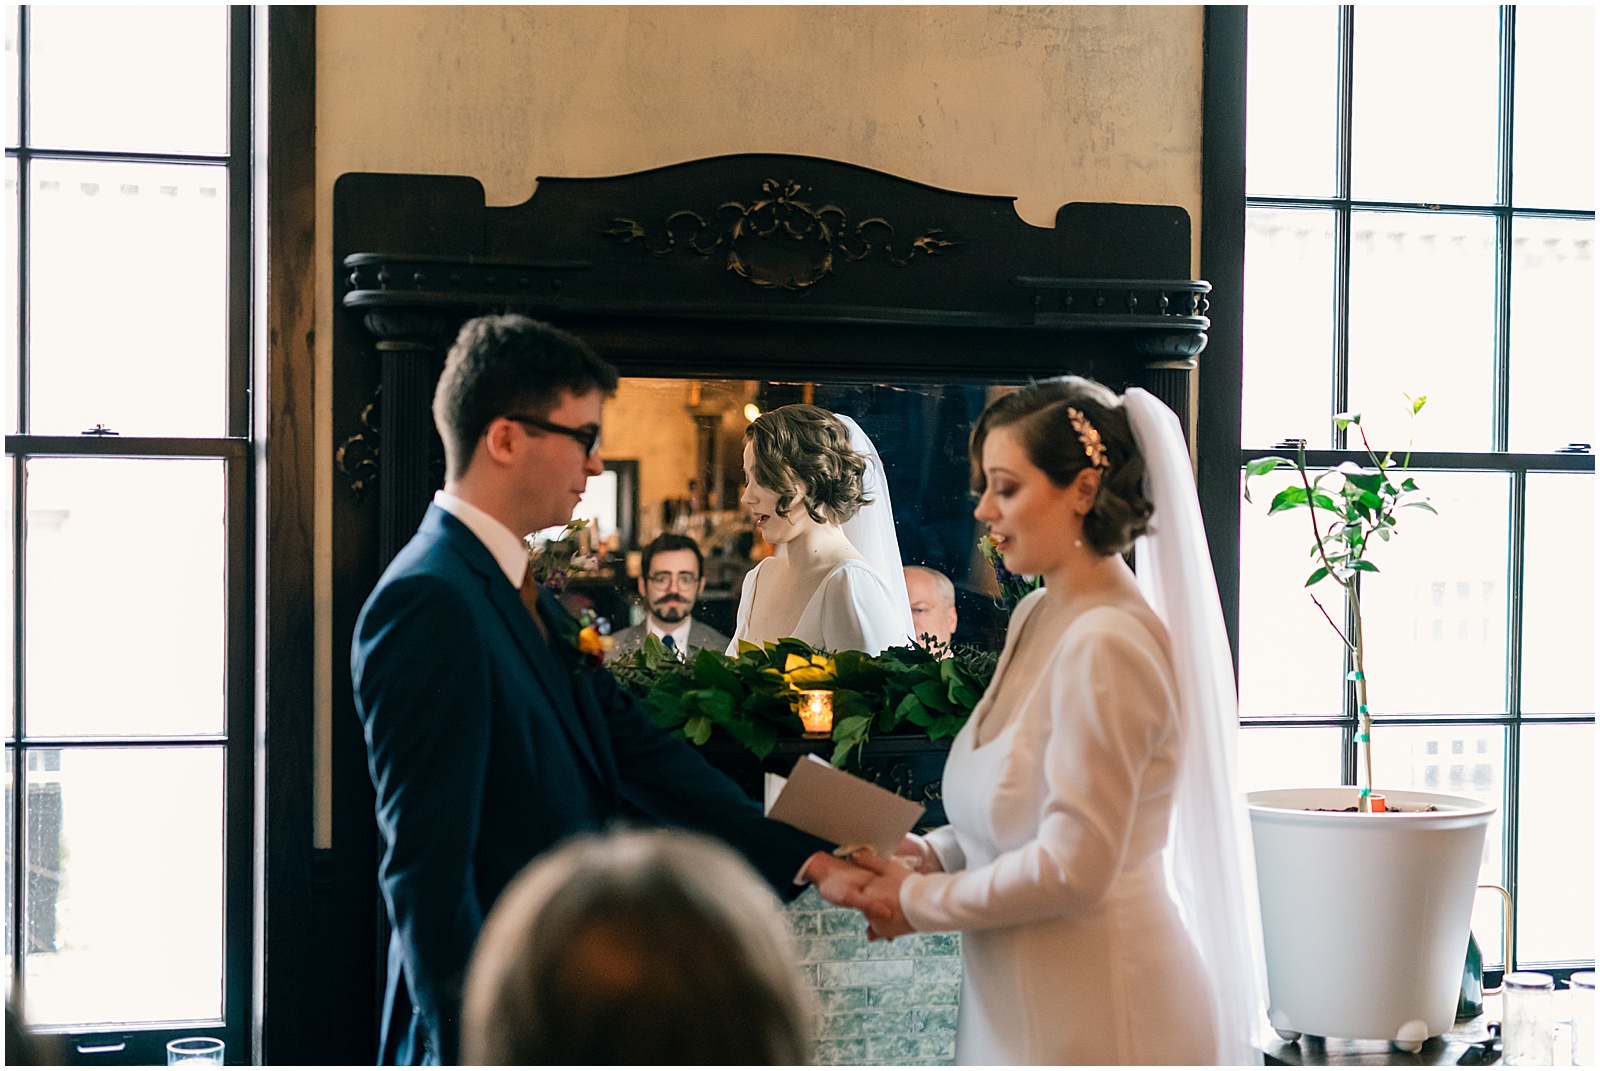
{"x": 1074, "y": 949}
{"x": 851, "y": 610}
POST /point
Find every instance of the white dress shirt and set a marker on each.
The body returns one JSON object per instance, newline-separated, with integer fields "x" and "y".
{"x": 508, "y": 548}
{"x": 679, "y": 634}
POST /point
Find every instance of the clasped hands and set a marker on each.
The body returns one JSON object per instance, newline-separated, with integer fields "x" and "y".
{"x": 871, "y": 884}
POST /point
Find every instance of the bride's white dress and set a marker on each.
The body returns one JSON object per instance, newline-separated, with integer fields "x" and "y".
{"x": 852, "y": 609}
{"x": 1074, "y": 949}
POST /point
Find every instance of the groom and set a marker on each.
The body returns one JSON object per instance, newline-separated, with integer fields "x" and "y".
{"x": 489, "y": 737}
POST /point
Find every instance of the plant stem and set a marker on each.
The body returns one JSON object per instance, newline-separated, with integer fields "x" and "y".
{"x": 1336, "y": 628}
{"x": 1364, "y": 715}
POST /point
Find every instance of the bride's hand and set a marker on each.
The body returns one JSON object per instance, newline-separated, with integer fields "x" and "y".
{"x": 842, "y": 883}
{"x": 917, "y": 854}
{"x": 886, "y": 920}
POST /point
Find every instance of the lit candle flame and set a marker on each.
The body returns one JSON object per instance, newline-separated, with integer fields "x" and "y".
{"x": 816, "y": 710}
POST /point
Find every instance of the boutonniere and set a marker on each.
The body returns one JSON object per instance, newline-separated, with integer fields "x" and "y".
{"x": 589, "y": 638}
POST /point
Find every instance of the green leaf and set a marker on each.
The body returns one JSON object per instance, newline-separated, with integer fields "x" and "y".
{"x": 1262, "y": 465}
{"x": 964, "y": 696}
{"x": 711, "y": 668}
{"x": 1363, "y": 566}
{"x": 1321, "y": 573}
{"x": 934, "y": 697}
{"x": 1367, "y": 481}
{"x": 763, "y": 738}
{"x": 1322, "y": 500}
{"x": 1344, "y": 420}
{"x": 1417, "y": 403}
{"x": 714, "y": 703}
{"x": 666, "y": 710}
{"x": 698, "y": 729}
{"x": 1288, "y": 498}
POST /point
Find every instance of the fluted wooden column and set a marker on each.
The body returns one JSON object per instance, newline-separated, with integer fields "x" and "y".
{"x": 411, "y": 346}
{"x": 1170, "y": 381}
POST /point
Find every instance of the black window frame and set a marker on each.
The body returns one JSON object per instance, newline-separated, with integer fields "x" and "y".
{"x": 140, "y": 1042}
{"x": 1225, "y": 208}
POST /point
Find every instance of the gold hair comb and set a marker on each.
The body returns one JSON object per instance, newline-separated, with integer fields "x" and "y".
{"x": 1089, "y": 437}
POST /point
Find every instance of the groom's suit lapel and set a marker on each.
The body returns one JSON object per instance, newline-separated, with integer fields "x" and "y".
{"x": 554, "y": 678}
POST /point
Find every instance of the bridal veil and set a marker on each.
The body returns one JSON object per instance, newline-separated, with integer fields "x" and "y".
{"x": 1211, "y": 859}
{"x": 871, "y": 530}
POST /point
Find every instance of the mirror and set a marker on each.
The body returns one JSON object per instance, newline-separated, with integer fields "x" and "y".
{"x": 673, "y": 450}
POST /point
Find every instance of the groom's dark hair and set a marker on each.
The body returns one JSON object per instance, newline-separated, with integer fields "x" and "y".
{"x": 509, "y": 364}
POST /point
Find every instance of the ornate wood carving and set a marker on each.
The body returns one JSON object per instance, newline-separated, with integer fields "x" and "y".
{"x": 357, "y": 457}
{"x": 780, "y": 239}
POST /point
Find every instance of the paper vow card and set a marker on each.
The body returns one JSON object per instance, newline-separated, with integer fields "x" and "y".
{"x": 842, "y": 808}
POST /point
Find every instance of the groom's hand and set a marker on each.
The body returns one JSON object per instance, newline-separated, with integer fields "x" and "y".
{"x": 842, "y": 884}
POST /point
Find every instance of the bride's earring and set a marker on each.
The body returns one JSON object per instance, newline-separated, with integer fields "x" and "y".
{"x": 1077, "y": 542}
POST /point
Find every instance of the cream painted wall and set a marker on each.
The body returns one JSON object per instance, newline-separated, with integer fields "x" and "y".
{"x": 1049, "y": 104}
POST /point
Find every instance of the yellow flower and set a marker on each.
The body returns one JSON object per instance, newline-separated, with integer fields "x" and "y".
{"x": 590, "y": 642}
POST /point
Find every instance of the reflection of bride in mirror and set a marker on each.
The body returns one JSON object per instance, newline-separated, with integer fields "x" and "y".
{"x": 815, "y": 486}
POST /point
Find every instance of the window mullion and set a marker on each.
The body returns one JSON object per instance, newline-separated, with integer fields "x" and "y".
{"x": 1499, "y": 435}
{"x": 18, "y": 846}
{"x": 241, "y": 253}
{"x": 1343, "y": 140}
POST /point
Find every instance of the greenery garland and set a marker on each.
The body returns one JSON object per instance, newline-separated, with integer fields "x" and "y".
{"x": 753, "y": 697}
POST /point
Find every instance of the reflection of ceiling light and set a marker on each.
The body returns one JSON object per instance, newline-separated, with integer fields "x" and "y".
{"x": 751, "y": 411}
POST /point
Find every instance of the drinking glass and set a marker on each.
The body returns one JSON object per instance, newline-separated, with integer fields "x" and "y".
{"x": 194, "y": 1052}
{"x": 1528, "y": 1035}
{"x": 1582, "y": 997}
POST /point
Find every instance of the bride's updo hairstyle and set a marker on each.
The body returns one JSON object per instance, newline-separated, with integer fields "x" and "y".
{"x": 1065, "y": 424}
{"x": 809, "y": 444}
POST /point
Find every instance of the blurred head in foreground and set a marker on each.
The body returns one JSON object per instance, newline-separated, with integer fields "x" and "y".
{"x": 647, "y": 947}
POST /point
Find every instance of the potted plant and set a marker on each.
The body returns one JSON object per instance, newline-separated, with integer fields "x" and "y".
{"x": 1366, "y": 896}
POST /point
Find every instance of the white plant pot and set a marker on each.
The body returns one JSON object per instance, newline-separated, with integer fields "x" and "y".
{"x": 1365, "y": 916}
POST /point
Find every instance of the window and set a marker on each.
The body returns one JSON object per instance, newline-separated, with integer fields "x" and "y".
{"x": 1420, "y": 219}
{"x": 127, "y": 371}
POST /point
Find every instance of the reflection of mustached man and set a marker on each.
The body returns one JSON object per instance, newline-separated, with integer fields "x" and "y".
{"x": 671, "y": 577}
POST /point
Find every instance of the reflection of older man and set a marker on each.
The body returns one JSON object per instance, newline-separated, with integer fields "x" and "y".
{"x": 933, "y": 603}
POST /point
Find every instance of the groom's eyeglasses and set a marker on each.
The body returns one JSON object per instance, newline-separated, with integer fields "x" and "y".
{"x": 587, "y": 436}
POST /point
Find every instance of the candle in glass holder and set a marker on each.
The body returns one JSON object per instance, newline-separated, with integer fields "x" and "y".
{"x": 816, "y": 711}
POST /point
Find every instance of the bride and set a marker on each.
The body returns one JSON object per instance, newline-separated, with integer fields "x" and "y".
{"x": 816, "y": 488}
{"x": 1097, "y": 860}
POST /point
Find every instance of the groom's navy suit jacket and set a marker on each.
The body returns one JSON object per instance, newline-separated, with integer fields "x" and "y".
{"x": 486, "y": 748}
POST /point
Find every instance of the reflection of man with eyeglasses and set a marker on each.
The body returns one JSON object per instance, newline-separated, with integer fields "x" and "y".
{"x": 671, "y": 578}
